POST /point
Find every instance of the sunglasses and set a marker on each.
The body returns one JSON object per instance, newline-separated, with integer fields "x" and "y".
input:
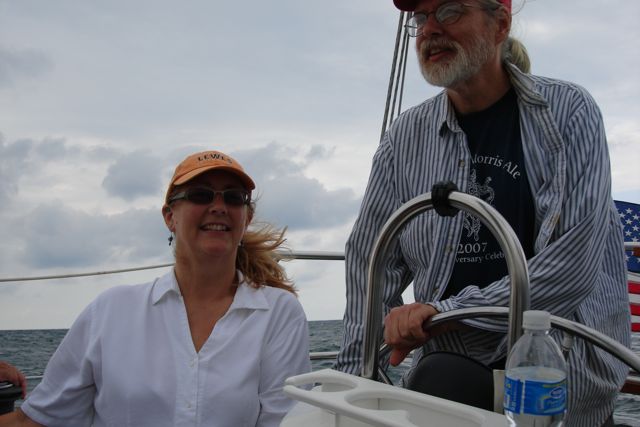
{"x": 205, "y": 196}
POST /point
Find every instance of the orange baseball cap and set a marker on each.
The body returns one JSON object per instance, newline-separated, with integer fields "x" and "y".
{"x": 204, "y": 161}
{"x": 410, "y": 5}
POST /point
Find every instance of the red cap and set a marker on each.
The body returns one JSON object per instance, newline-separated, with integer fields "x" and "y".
{"x": 410, "y": 5}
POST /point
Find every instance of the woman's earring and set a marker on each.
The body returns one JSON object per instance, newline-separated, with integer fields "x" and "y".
{"x": 170, "y": 239}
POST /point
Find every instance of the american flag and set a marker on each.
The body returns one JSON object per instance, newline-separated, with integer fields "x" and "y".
{"x": 630, "y": 217}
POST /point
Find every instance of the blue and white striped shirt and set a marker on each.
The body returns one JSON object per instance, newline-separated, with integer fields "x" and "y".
{"x": 577, "y": 271}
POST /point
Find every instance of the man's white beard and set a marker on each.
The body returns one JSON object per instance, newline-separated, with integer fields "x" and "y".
{"x": 461, "y": 67}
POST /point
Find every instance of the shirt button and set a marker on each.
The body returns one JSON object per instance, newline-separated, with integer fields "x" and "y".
{"x": 192, "y": 362}
{"x": 189, "y": 405}
{"x": 460, "y": 163}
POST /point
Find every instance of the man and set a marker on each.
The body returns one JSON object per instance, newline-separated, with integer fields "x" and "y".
{"x": 536, "y": 150}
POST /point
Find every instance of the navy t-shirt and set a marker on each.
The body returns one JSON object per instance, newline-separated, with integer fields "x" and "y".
{"x": 498, "y": 176}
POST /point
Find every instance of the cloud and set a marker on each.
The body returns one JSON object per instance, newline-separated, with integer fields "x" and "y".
{"x": 12, "y": 160}
{"x": 286, "y": 196}
{"x": 171, "y": 66}
{"x": 23, "y": 157}
{"x": 18, "y": 64}
{"x": 29, "y": 165}
{"x": 133, "y": 175}
{"x": 624, "y": 140}
{"x": 58, "y": 232}
{"x": 55, "y": 236}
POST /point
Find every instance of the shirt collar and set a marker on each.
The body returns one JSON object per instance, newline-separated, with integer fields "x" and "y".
{"x": 247, "y": 296}
{"x": 523, "y": 84}
{"x": 446, "y": 114}
{"x": 163, "y": 286}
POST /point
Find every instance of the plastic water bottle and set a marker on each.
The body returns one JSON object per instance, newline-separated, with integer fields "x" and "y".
{"x": 535, "y": 384}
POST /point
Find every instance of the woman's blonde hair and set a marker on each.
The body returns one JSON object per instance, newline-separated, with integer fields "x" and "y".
{"x": 257, "y": 258}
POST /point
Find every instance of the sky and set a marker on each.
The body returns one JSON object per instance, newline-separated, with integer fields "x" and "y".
{"x": 99, "y": 100}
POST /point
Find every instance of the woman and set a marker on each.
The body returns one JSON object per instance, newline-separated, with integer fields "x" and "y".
{"x": 210, "y": 343}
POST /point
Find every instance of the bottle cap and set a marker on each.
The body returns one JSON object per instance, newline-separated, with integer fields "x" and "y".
{"x": 536, "y": 319}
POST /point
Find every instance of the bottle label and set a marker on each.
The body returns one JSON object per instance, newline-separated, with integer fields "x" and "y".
{"x": 535, "y": 397}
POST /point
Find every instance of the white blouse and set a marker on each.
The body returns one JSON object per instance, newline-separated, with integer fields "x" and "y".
{"x": 129, "y": 360}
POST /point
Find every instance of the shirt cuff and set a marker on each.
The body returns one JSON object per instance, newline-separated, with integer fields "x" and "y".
{"x": 444, "y": 305}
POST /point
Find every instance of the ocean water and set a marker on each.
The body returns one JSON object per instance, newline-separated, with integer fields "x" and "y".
{"x": 30, "y": 350}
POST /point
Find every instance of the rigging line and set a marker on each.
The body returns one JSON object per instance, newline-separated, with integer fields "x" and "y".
{"x": 281, "y": 255}
{"x": 406, "y": 56}
{"x": 397, "y": 90}
{"x": 393, "y": 72}
{"x": 95, "y": 273}
{"x": 392, "y": 110}
{"x": 403, "y": 68}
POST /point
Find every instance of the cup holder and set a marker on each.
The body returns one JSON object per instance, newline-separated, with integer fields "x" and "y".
{"x": 335, "y": 386}
{"x": 325, "y": 381}
{"x": 420, "y": 414}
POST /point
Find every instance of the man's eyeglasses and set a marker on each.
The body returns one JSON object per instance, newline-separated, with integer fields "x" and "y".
{"x": 446, "y": 14}
{"x": 205, "y": 196}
